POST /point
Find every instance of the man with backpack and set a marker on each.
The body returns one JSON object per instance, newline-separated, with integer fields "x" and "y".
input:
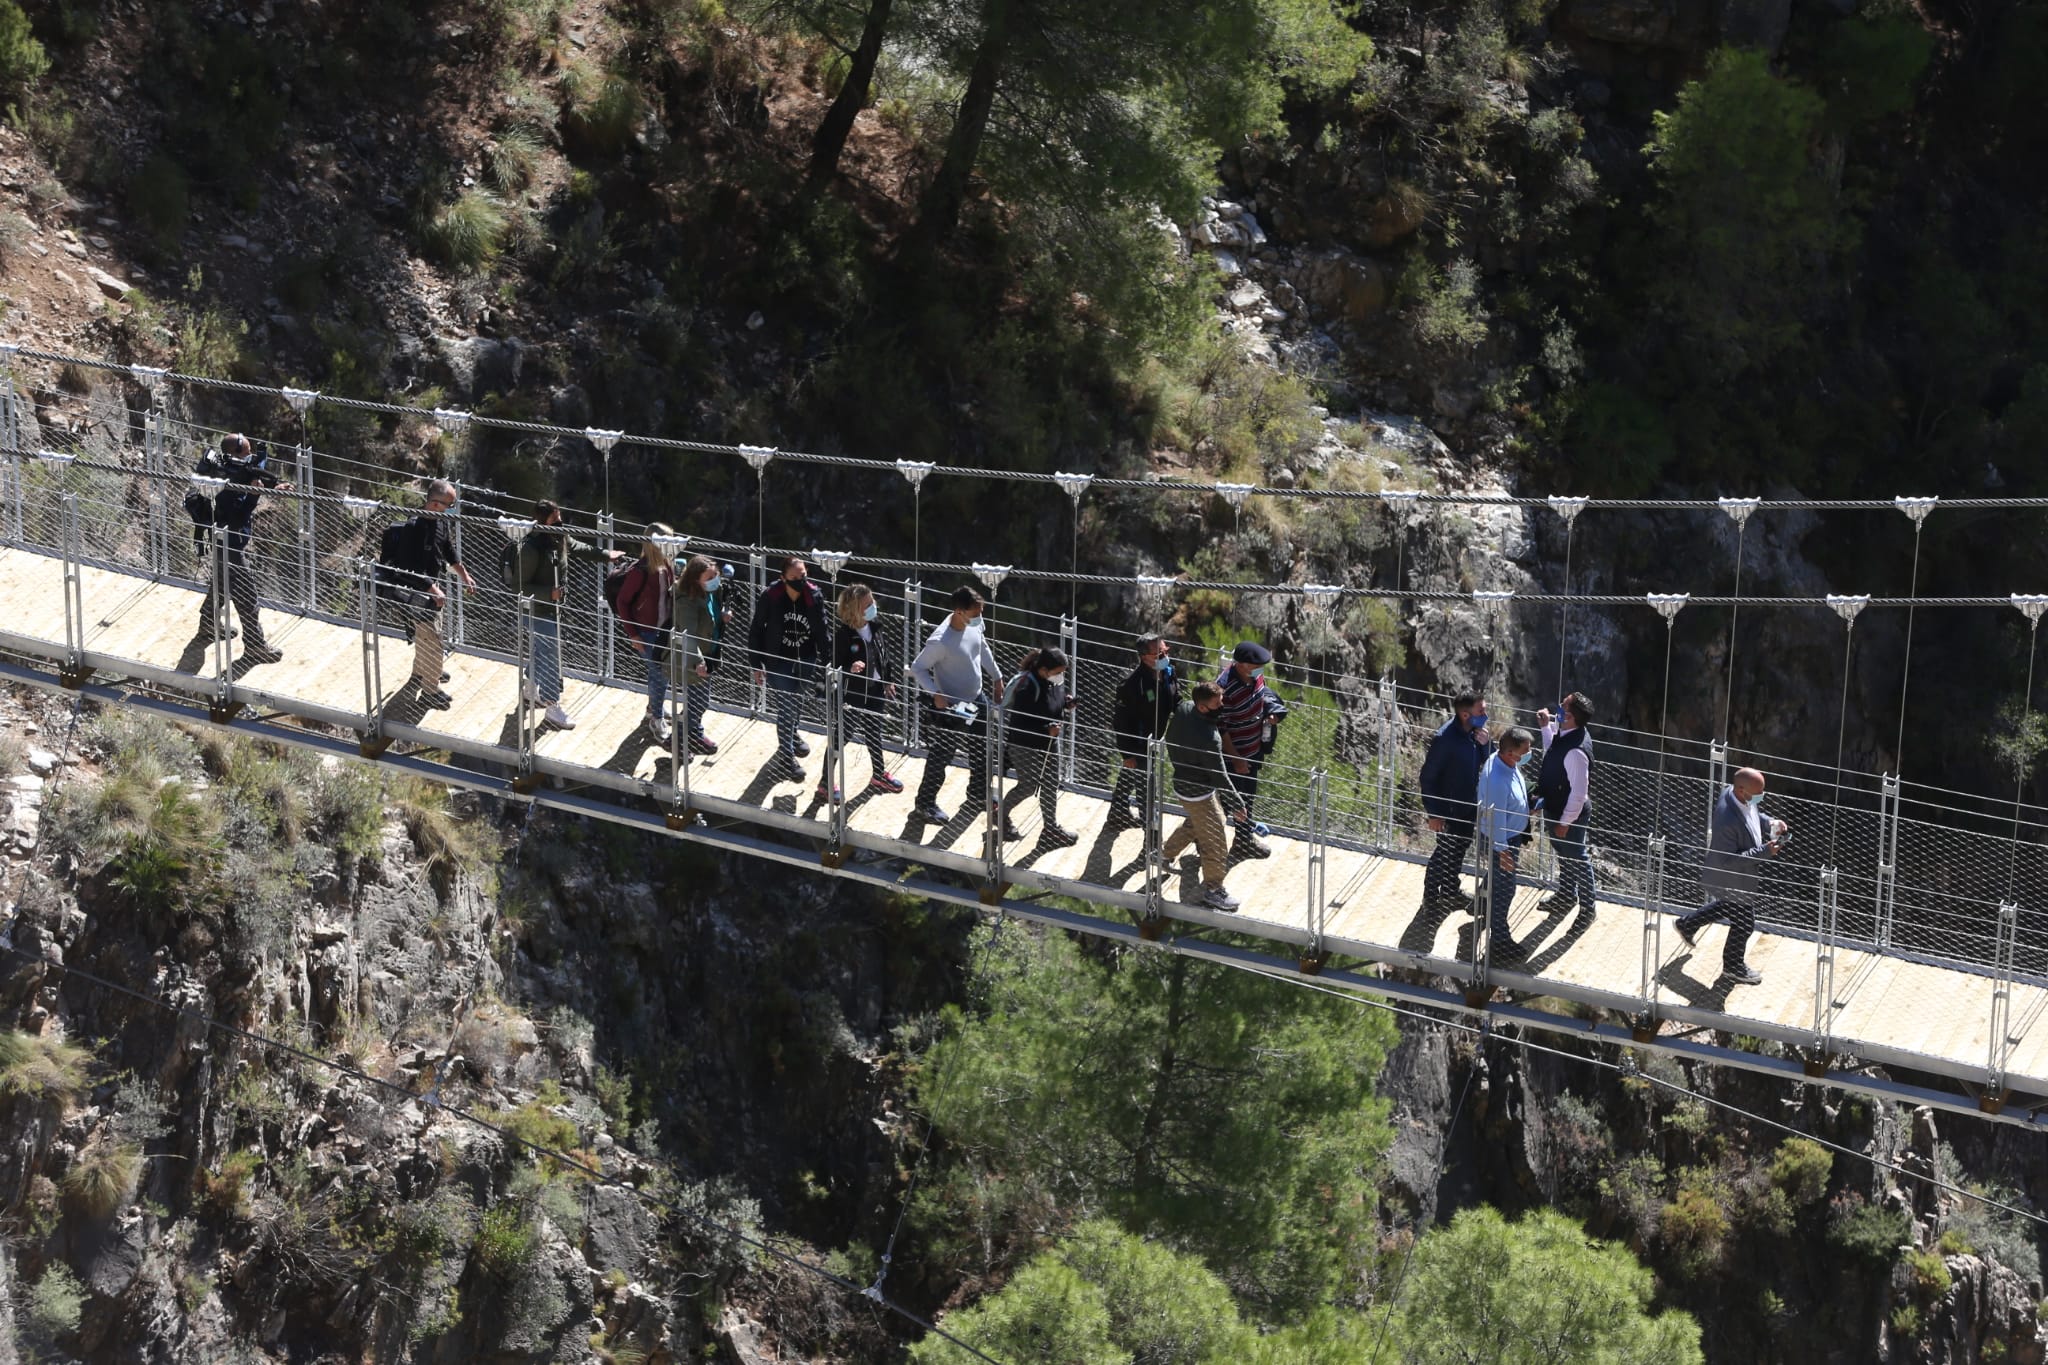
{"x": 410, "y": 561}
{"x": 536, "y": 566}
{"x": 788, "y": 640}
{"x": 231, "y": 515}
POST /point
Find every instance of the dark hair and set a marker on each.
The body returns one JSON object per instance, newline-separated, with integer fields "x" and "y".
{"x": 1206, "y": 691}
{"x": 1516, "y": 738}
{"x": 1466, "y": 698}
{"x": 1146, "y": 642}
{"x": 1580, "y": 707}
{"x": 965, "y": 598}
{"x": 545, "y": 508}
{"x": 1046, "y": 656}
{"x": 691, "y": 583}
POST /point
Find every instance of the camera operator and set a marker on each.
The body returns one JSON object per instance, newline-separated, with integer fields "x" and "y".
{"x": 234, "y": 516}
{"x": 1741, "y": 835}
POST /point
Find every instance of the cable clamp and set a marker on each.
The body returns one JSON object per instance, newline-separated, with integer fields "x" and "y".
{"x": 1321, "y": 594}
{"x": 1073, "y": 485}
{"x": 1234, "y": 493}
{"x": 1916, "y": 508}
{"x": 1155, "y": 582}
{"x": 515, "y": 528}
{"x": 450, "y": 420}
{"x": 991, "y": 574}
{"x": 359, "y": 508}
{"x": 831, "y": 561}
{"x": 59, "y": 457}
{"x": 1568, "y": 508}
{"x": 1847, "y": 607}
{"x": 1492, "y": 598}
{"x": 299, "y": 399}
{"x": 149, "y": 376}
{"x": 602, "y": 439}
{"x": 915, "y": 470}
{"x": 758, "y": 456}
{"x": 1668, "y": 604}
{"x": 2032, "y": 604}
{"x": 670, "y": 545}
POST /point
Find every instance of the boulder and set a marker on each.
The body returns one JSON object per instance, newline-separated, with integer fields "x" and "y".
{"x": 483, "y": 365}
{"x": 1342, "y": 285}
{"x": 1634, "y": 23}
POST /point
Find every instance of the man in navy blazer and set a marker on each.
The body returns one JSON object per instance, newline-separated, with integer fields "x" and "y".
{"x": 1450, "y": 796}
{"x": 1741, "y": 835}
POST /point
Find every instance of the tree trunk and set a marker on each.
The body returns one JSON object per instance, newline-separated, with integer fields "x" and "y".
{"x": 939, "y": 214}
{"x": 853, "y": 97}
{"x": 1144, "y": 1170}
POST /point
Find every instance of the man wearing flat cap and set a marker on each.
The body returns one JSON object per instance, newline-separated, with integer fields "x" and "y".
{"x": 1251, "y": 713}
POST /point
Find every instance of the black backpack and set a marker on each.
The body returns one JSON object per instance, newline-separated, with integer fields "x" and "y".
{"x": 615, "y": 581}
{"x": 508, "y": 564}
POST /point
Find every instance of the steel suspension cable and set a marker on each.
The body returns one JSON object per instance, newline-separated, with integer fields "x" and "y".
{"x": 2023, "y": 757}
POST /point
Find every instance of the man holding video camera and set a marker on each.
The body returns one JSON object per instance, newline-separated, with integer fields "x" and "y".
{"x": 1741, "y": 834}
{"x": 234, "y": 517}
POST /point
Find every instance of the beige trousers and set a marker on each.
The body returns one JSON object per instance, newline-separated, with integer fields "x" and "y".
{"x": 1206, "y": 828}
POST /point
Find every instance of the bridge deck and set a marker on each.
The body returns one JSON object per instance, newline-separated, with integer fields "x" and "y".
{"x": 1886, "y": 1009}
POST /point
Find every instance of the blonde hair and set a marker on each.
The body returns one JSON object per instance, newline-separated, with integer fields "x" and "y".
{"x": 654, "y": 551}
{"x": 853, "y": 600}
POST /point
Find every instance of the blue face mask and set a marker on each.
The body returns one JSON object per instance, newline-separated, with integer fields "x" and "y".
{"x": 870, "y": 613}
{"x": 1754, "y": 801}
{"x": 1159, "y": 664}
{"x": 1478, "y": 721}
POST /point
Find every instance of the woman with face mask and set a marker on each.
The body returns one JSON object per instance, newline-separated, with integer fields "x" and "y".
{"x": 1035, "y": 705}
{"x": 698, "y": 625}
{"x": 858, "y": 652}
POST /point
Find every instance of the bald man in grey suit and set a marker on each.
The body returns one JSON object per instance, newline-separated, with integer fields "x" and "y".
{"x": 1741, "y": 834}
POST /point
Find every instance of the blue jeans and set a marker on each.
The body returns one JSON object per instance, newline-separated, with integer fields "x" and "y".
{"x": 785, "y": 688}
{"x": 652, "y": 646}
{"x": 547, "y": 657}
{"x": 1574, "y": 867}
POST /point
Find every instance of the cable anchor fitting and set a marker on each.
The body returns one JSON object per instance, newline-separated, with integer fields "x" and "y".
{"x": 1320, "y": 595}
{"x": 2031, "y": 605}
{"x": 300, "y": 400}
{"x": 452, "y": 421}
{"x": 1568, "y": 508}
{"x": 758, "y": 456}
{"x": 1234, "y": 494}
{"x": 515, "y": 528}
{"x": 831, "y": 561}
{"x": 602, "y": 439}
{"x": 991, "y": 574}
{"x": 1073, "y": 485}
{"x": 1738, "y": 509}
{"x": 915, "y": 471}
{"x": 359, "y": 508}
{"x": 1847, "y": 607}
{"x": 1916, "y": 508}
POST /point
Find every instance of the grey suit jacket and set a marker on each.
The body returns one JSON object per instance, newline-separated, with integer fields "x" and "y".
{"x": 1730, "y": 868}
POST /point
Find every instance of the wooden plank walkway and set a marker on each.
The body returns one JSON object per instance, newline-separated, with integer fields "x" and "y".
{"x": 1885, "y": 1009}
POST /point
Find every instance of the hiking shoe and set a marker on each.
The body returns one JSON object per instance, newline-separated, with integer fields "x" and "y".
{"x": 206, "y": 634}
{"x": 1557, "y": 903}
{"x": 529, "y": 694}
{"x": 437, "y": 699}
{"x": 658, "y": 726}
{"x": 1250, "y": 846}
{"x": 1058, "y": 836}
{"x": 885, "y": 782}
{"x": 830, "y": 794}
{"x": 262, "y": 654}
{"x": 802, "y": 747}
{"x": 1744, "y": 975}
{"x": 1216, "y": 898}
{"x": 447, "y": 677}
{"x": 1687, "y": 935}
{"x": 933, "y": 812}
{"x": 559, "y": 718}
{"x": 792, "y": 771}
{"x": 1010, "y": 831}
{"x": 701, "y": 743}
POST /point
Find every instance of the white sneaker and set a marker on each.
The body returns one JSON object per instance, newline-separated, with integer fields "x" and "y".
{"x": 530, "y": 693}
{"x": 559, "y": 718}
{"x": 658, "y": 727}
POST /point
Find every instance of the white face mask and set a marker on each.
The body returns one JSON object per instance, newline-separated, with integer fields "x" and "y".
{"x": 1056, "y": 678}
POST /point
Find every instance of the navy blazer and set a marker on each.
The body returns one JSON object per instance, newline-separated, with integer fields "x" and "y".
{"x": 1730, "y": 868}
{"x": 1450, "y": 775}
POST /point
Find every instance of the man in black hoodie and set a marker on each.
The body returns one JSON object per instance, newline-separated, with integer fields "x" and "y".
{"x": 788, "y": 639}
{"x": 1145, "y": 701}
{"x": 234, "y": 521}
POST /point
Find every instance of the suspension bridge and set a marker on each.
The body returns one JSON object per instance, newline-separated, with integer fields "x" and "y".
{"x": 1899, "y": 937}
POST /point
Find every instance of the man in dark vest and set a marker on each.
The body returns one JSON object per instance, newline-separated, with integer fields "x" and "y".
{"x": 1562, "y": 784}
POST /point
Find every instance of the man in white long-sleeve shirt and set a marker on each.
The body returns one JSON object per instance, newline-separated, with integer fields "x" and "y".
{"x": 951, "y": 668}
{"x": 1562, "y": 784}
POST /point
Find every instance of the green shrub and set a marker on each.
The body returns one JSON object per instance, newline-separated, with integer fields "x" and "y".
{"x": 605, "y": 122}
{"x": 160, "y": 198}
{"x": 213, "y": 345}
{"x": 41, "y": 1066}
{"x": 425, "y": 1230}
{"x": 507, "y": 1242}
{"x": 1694, "y": 1225}
{"x": 513, "y": 156}
{"x": 536, "y": 1124}
{"x": 348, "y": 809}
{"x": 469, "y": 233}
{"x": 1801, "y": 1169}
{"x": 226, "y": 1191}
{"x": 1906, "y": 1321}
{"x": 1927, "y": 1275}
{"x": 22, "y": 59}
{"x": 103, "y": 1177}
{"x": 1867, "y": 1230}
{"x": 169, "y": 861}
{"x": 57, "y": 1303}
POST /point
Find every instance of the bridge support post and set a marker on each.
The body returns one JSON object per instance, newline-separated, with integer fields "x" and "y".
{"x": 219, "y": 598}
{"x": 527, "y": 780}
{"x": 608, "y": 624}
{"x": 458, "y": 614}
{"x": 1383, "y": 772}
{"x": 1887, "y": 859}
{"x": 74, "y": 672}
{"x": 1826, "y": 914}
{"x": 757, "y": 579}
{"x": 992, "y": 805}
{"x": 679, "y": 742}
{"x": 1069, "y": 737}
{"x": 835, "y": 767}
{"x": 1313, "y": 960}
{"x": 1482, "y": 912}
{"x": 1717, "y": 778}
{"x": 309, "y": 545}
{"x": 913, "y": 630}
{"x": 1992, "y": 1101}
{"x": 373, "y": 742}
{"x": 17, "y": 460}
{"x": 1155, "y": 819}
{"x": 156, "y": 478}
{"x": 1653, "y": 936}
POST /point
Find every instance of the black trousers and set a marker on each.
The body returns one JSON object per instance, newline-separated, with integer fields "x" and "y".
{"x": 1741, "y": 922}
{"x": 945, "y": 735}
{"x": 1247, "y": 784}
{"x": 1036, "y": 768}
{"x": 865, "y": 720}
{"x": 1447, "y": 861}
{"x": 241, "y": 592}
